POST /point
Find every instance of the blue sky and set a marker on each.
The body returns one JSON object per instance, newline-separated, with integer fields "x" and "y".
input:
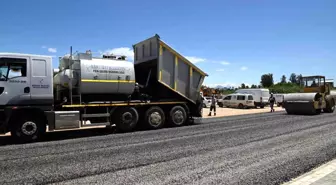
{"x": 234, "y": 41}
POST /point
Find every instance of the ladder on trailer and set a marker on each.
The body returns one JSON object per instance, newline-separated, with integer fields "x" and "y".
{"x": 74, "y": 90}
{"x": 96, "y": 119}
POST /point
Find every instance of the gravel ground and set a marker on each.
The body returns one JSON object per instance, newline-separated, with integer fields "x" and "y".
{"x": 223, "y": 111}
{"x": 267, "y": 148}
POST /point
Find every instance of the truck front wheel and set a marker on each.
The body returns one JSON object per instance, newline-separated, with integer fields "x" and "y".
{"x": 28, "y": 129}
{"x": 178, "y": 116}
{"x": 155, "y": 117}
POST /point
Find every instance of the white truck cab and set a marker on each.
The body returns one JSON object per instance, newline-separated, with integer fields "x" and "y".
{"x": 25, "y": 81}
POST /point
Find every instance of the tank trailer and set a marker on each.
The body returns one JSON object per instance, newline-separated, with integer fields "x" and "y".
{"x": 160, "y": 87}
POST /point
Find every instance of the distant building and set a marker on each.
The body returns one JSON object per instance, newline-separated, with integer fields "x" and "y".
{"x": 331, "y": 82}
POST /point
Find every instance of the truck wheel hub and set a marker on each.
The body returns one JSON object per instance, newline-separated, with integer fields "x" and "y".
{"x": 29, "y": 128}
{"x": 178, "y": 116}
{"x": 127, "y": 117}
{"x": 155, "y": 118}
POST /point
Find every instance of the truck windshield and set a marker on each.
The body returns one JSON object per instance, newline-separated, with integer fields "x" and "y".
{"x": 12, "y": 68}
{"x": 3, "y": 72}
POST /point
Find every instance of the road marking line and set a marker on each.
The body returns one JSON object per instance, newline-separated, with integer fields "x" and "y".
{"x": 314, "y": 175}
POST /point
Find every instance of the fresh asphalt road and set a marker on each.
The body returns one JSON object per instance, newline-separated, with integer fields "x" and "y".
{"x": 267, "y": 148}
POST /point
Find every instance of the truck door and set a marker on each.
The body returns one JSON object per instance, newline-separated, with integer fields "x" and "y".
{"x": 41, "y": 81}
{"x": 14, "y": 80}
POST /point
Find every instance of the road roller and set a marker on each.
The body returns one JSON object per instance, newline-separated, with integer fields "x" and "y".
{"x": 315, "y": 97}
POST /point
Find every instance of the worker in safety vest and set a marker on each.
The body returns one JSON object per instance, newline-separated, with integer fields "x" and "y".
{"x": 272, "y": 101}
{"x": 213, "y": 105}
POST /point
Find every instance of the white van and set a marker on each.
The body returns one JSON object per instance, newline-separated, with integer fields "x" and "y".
{"x": 206, "y": 101}
{"x": 220, "y": 101}
{"x": 238, "y": 100}
{"x": 278, "y": 99}
{"x": 260, "y": 96}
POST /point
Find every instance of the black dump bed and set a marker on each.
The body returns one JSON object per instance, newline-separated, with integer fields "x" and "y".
{"x": 165, "y": 73}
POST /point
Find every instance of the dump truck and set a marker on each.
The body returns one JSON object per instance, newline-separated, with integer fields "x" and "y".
{"x": 160, "y": 87}
{"x": 315, "y": 98}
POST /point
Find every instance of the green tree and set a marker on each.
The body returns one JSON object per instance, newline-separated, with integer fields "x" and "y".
{"x": 293, "y": 78}
{"x": 267, "y": 80}
{"x": 253, "y": 86}
{"x": 299, "y": 79}
{"x": 285, "y": 88}
{"x": 243, "y": 86}
{"x": 283, "y": 79}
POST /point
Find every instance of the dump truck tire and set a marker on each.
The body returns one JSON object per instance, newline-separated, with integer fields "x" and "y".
{"x": 125, "y": 118}
{"x": 155, "y": 117}
{"x": 177, "y": 116}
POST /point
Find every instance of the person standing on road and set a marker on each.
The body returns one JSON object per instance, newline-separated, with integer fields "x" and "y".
{"x": 213, "y": 105}
{"x": 272, "y": 101}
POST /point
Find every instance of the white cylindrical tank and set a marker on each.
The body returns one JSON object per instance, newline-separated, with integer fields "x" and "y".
{"x": 99, "y": 76}
{"x": 107, "y": 76}
{"x": 63, "y": 78}
{"x": 64, "y": 62}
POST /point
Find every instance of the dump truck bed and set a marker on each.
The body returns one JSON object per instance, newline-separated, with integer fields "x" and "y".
{"x": 169, "y": 68}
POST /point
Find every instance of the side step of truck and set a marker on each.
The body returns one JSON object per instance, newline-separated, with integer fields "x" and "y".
{"x": 95, "y": 115}
{"x": 96, "y": 124}
{"x": 100, "y": 115}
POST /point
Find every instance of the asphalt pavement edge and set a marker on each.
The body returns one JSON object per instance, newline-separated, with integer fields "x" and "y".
{"x": 314, "y": 175}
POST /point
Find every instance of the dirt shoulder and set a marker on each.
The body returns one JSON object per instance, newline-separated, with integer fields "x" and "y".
{"x": 221, "y": 112}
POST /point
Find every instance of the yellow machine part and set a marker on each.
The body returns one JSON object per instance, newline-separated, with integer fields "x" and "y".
{"x": 311, "y": 89}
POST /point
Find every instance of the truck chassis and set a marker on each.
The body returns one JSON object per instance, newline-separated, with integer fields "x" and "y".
{"x": 28, "y": 123}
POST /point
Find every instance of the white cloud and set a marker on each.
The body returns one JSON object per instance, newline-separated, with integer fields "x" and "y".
{"x": 195, "y": 59}
{"x": 225, "y": 63}
{"x": 128, "y": 52}
{"x": 227, "y": 84}
{"x": 244, "y": 68}
{"x": 52, "y": 50}
{"x": 220, "y": 70}
{"x": 44, "y": 47}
